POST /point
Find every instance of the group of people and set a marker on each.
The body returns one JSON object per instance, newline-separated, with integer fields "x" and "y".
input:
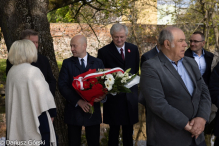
{"x": 174, "y": 88}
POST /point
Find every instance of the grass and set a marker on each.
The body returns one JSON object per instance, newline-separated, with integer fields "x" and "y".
{"x": 2, "y": 71}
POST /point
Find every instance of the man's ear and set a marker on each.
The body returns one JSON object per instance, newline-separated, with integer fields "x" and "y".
{"x": 167, "y": 44}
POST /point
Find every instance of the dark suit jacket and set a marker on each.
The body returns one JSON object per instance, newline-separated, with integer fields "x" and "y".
{"x": 146, "y": 56}
{"x": 214, "y": 91}
{"x": 208, "y": 59}
{"x": 121, "y": 109}
{"x": 74, "y": 114}
{"x": 44, "y": 66}
{"x": 168, "y": 102}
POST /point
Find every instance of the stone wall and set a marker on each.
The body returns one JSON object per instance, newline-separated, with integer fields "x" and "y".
{"x": 63, "y": 32}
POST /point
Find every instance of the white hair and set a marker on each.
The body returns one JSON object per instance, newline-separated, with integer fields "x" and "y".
{"x": 118, "y": 27}
{"x": 22, "y": 51}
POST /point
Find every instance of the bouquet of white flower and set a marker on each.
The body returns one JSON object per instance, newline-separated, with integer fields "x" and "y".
{"x": 92, "y": 84}
{"x": 119, "y": 81}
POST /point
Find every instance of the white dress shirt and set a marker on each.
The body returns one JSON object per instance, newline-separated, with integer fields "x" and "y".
{"x": 85, "y": 60}
{"x": 123, "y": 47}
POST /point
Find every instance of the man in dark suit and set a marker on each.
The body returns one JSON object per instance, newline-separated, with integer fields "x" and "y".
{"x": 201, "y": 56}
{"x": 214, "y": 91}
{"x": 44, "y": 66}
{"x": 177, "y": 99}
{"x": 121, "y": 109}
{"x": 146, "y": 56}
{"x": 76, "y": 109}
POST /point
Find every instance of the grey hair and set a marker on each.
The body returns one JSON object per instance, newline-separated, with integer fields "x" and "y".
{"x": 22, "y": 51}
{"x": 118, "y": 27}
{"x": 165, "y": 34}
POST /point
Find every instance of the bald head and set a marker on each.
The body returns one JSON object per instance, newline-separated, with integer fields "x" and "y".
{"x": 78, "y": 46}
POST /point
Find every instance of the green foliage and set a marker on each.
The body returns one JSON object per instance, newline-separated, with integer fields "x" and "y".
{"x": 101, "y": 12}
{"x": 59, "y": 62}
{"x": 2, "y": 71}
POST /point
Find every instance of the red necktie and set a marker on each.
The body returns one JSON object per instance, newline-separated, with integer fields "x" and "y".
{"x": 122, "y": 54}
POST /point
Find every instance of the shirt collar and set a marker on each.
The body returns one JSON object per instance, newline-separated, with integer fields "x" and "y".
{"x": 179, "y": 62}
{"x": 157, "y": 49}
{"x": 85, "y": 58}
{"x": 123, "y": 47}
{"x": 194, "y": 54}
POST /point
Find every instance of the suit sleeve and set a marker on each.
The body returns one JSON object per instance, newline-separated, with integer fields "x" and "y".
{"x": 137, "y": 60}
{"x": 65, "y": 85}
{"x": 214, "y": 86}
{"x": 101, "y": 56}
{"x": 155, "y": 98}
{"x": 50, "y": 78}
{"x": 204, "y": 108}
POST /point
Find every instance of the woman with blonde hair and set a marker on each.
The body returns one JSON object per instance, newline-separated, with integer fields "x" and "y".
{"x": 27, "y": 97}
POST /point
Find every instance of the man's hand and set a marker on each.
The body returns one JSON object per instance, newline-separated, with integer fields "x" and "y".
{"x": 52, "y": 119}
{"x": 84, "y": 105}
{"x": 188, "y": 127}
{"x": 100, "y": 98}
{"x": 198, "y": 126}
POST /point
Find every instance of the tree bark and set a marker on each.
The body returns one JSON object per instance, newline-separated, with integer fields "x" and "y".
{"x": 17, "y": 15}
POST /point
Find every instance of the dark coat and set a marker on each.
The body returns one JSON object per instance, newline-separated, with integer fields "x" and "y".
{"x": 208, "y": 59}
{"x": 121, "y": 109}
{"x": 146, "y": 56}
{"x": 214, "y": 91}
{"x": 74, "y": 114}
{"x": 169, "y": 104}
{"x": 44, "y": 66}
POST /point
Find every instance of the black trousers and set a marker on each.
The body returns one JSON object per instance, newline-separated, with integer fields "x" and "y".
{"x": 216, "y": 142}
{"x": 92, "y": 135}
{"x": 201, "y": 144}
{"x": 127, "y": 132}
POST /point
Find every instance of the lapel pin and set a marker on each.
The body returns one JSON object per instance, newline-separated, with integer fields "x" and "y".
{"x": 129, "y": 50}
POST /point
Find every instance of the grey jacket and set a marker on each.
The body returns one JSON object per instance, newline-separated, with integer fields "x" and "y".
{"x": 168, "y": 102}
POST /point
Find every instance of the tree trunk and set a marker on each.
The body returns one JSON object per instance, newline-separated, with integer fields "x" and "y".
{"x": 17, "y": 15}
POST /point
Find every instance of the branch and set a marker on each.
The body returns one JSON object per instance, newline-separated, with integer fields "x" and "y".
{"x": 78, "y": 11}
{"x": 91, "y": 28}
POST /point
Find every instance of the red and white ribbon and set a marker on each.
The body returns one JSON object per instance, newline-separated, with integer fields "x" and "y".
{"x": 94, "y": 75}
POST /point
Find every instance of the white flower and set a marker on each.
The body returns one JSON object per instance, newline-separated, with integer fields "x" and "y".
{"x": 102, "y": 77}
{"x": 108, "y": 85}
{"x": 110, "y": 79}
{"x": 126, "y": 74}
{"x": 120, "y": 74}
{"x": 123, "y": 80}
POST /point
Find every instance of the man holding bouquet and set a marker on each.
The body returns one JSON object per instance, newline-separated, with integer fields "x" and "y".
{"x": 121, "y": 109}
{"x": 76, "y": 110}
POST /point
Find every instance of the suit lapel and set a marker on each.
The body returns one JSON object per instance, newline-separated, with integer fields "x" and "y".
{"x": 173, "y": 71}
{"x": 191, "y": 74}
{"x": 90, "y": 62}
{"x": 128, "y": 54}
{"x": 76, "y": 63}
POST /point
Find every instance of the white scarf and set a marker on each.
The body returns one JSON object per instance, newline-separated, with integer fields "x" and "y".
{"x": 27, "y": 97}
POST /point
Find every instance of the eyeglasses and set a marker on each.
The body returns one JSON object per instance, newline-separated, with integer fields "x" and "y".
{"x": 195, "y": 41}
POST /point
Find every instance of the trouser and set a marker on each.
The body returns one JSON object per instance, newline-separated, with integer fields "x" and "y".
{"x": 201, "y": 144}
{"x": 127, "y": 132}
{"x": 92, "y": 135}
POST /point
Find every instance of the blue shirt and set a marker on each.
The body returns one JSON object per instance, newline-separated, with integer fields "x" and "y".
{"x": 200, "y": 61}
{"x": 184, "y": 75}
